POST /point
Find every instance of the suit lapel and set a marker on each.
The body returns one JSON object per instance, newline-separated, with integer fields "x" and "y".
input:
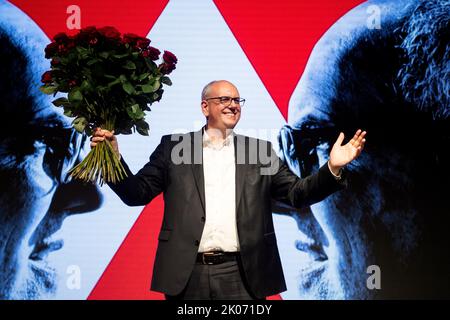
{"x": 241, "y": 168}
{"x": 197, "y": 164}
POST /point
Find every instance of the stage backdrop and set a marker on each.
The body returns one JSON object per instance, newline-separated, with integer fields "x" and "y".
{"x": 306, "y": 69}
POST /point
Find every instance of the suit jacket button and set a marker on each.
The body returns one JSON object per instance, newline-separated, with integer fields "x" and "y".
{"x": 196, "y": 242}
{"x": 203, "y": 219}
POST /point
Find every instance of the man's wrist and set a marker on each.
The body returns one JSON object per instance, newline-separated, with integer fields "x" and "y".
{"x": 336, "y": 172}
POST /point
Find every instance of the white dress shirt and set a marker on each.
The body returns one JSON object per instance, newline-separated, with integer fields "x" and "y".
{"x": 220, "y": 231}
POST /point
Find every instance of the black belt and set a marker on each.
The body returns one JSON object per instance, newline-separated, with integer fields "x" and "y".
{"x": 216, "y": 257}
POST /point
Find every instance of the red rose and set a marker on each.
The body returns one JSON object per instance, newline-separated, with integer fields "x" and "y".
{"x": 130, "y": 38}
{"x": 72, "y": 83}
{"x": 169, "y": 57}
{"x": 61, "y": 38}
{"x": 142, "y": 43}
{"x": 47, "y": 77}
{"x": 93, "y": 41}
{"x": 90, "y": 29}
{"x": 109, "y": 32}
{"x": 86, "y": 35}
{"x": 151, "y": 53}
{"x": 136, "y": 41}
{"x": 167, "y": 68}
{"x": 62, "y": 49}
{"x": 71, "y": 43}
{"x": 51, "y": 50}
{"x": 55, "y": 62}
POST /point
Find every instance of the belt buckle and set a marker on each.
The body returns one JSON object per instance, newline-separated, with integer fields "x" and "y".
{"x": 210, "y": 254}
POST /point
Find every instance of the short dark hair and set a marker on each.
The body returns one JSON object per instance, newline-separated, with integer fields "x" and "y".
{"x": 425, "y": 76}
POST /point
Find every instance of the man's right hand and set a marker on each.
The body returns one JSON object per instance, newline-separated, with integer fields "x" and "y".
{"x": 101, "y": 135}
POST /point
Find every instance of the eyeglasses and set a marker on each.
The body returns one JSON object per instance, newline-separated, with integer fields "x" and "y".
{"x": 301, "y": 145}
{"x": 226, "y": 101}
{"x": 63, "y": 148}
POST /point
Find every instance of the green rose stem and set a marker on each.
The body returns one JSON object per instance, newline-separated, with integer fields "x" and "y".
{"x": 101, "y": 164}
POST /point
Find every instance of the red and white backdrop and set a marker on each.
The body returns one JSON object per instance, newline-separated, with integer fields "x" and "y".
{"x": 261, "y": 46}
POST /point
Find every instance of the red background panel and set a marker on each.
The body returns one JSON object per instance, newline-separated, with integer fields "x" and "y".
{"x": 129, "y": 273}
{"x": 136, "y": 16}
{"x": 278, "y": 36}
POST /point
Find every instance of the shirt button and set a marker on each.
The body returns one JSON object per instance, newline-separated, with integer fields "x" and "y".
{"x": 203, "y": 219}
{"x": 196, "y": 242}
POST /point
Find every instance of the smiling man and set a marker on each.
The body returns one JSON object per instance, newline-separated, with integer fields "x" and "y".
{"x": 217, "y": 238}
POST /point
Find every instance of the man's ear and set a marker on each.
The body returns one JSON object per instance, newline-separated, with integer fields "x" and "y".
{"x": 205, "y": 108}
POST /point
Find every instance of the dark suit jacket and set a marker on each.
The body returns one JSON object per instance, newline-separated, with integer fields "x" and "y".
{"x": 184, "y": 213}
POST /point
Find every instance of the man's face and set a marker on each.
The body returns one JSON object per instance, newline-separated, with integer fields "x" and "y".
{"x": 38, "y": 147}
{"x": 35, "y": 201}
{"x": 221, "y": 113}
{"x": 393, "y": 212}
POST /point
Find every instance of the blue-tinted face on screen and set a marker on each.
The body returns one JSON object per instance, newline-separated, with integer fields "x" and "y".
{"x": 394, "y": 83}
{"x": 37, "y": 147}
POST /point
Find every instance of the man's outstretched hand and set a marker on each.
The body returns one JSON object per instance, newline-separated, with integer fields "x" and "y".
{"x": 341, "y": 155}
{"x": 101, "y": 135}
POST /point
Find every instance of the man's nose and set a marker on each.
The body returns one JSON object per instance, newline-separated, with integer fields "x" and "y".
{"x": 76, "y": 197}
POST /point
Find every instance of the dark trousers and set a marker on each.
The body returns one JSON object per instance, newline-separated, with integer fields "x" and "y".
{"x": 224, "y": 281}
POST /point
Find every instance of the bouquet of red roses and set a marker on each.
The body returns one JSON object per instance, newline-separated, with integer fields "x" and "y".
{"x": 110, "y": 80}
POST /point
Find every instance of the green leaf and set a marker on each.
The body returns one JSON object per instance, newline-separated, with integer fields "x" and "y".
{"x": 114, "y": 82}
{"x": 133, "y": 76}
{"x": 166, "y": 80}
{"x": 104, "y": 54}
{"x": 82, "y": 50}
{"x": 155, "y": 96}
{"x": 92, "y": 61}
{"x": 79, "y": 124}
{"x": 147, "y": 88}
{"x": 143, "y": 76}
{"x": 135, "y": 112}
{"x": 68, "y": 112}
{"x": 128, "y": 87}
{"x": 83, "y": 53}
{"x": 61, "y": 102}
{"x": 75, "y": 95}
{"x": 122, "y": 78}
{"x": 110, "y": 76}
{"x": 120, "y": 56}
{"x": 142, "y": 127}
{"x": 85, "y": 85}
{"x": 129, "y": 65}
{"x": 48, "y": 89}
{"x": 156, "y": 85}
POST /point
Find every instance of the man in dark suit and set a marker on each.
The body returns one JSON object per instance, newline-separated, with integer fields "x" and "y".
{"x": 217, "y": 239}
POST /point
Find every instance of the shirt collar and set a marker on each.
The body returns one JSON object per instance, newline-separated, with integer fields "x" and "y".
{"x": 208, "y": 143}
